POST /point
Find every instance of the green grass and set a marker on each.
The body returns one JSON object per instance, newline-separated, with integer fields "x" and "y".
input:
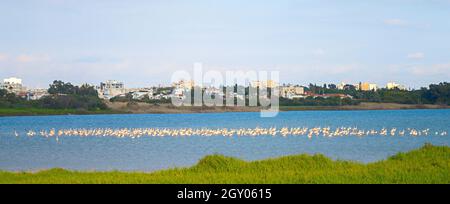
{"x": 47, "y": 111}
{"x": 429, "y": 164}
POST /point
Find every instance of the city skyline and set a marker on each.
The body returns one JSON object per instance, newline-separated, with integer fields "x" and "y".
{"x": 143, "y": 43}
{"x": 364, "y": 86}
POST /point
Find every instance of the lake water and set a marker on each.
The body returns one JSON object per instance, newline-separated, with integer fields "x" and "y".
{"x": 153, "y": 153}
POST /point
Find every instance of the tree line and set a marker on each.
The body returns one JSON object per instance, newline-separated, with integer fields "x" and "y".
{"x": 434, "y": 94}
{"x": 61, "y": 96}
{"x": 68, "y": 96}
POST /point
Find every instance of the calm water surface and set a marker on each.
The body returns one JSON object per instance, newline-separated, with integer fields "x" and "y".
{"x": 153, "y": 153}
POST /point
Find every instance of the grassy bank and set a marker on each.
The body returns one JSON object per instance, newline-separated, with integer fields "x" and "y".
{"x": 429, "y": 164}
{"x": 122, "y": 107}
{"x": 45, "y": 111}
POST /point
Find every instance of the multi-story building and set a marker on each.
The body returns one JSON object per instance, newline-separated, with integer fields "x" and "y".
{"x": 181, "y": 87}
{"x": 366, "y": 86}
{"x": 267, "y": 83}
{"x": 341, "y": 86}
{"x": 393, "y": 85}
{"x": 182, "y": 84}
{"x": 36, "y": 94}
{"x": 110, "y": 89}
{"x": 362, "y": 86}
{"x": 141, "y": 94}
{"x": 13, "y": 85}
{"x": 291, "y": 91}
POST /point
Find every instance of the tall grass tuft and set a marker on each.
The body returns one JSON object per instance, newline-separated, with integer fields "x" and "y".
{"x": 429, "y": 164}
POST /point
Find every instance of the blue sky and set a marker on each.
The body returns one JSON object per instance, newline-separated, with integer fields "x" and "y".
{"x": 143, "y": 42}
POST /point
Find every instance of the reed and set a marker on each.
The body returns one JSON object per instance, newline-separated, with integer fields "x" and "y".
{"x": 429, "y": 164}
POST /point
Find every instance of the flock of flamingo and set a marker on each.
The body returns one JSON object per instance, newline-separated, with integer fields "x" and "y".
{"x": 229, "y": 132}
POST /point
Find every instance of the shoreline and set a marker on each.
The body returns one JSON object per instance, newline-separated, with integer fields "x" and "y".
{"x": 145, "y": 108}
{"x": 301, "y": 168}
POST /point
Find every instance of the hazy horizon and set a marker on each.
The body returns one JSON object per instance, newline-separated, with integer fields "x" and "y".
{"x": 141, "y": 43}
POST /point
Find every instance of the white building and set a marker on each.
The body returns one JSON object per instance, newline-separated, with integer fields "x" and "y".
{"x": 36, "y": 94}
{"x": 179, "y": 93}
{"x": 341, "y": 86}
{"x": 292, "y": 91}
{"x": 142, "y": 93}
{"x": 182, "y": 84}
{"x": 393, "y": 85}
{"x": 213, "y": 91}
{"x": 13, "y": 85}
{"x": 110, "y": 89}
{"x": 12, "y": 80}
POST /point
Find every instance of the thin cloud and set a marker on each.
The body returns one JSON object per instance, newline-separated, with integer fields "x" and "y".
{"x": 32, "y": 58}
{"x": 435, "y": 69}
{"x": 416, "y": 55}
{"x": 96, "y": 60}
{"x": 318, "y": 52}
{"x": 88, "y": 59}
{"x": 395, "y": 22}
{"x": 3, "y": 57}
